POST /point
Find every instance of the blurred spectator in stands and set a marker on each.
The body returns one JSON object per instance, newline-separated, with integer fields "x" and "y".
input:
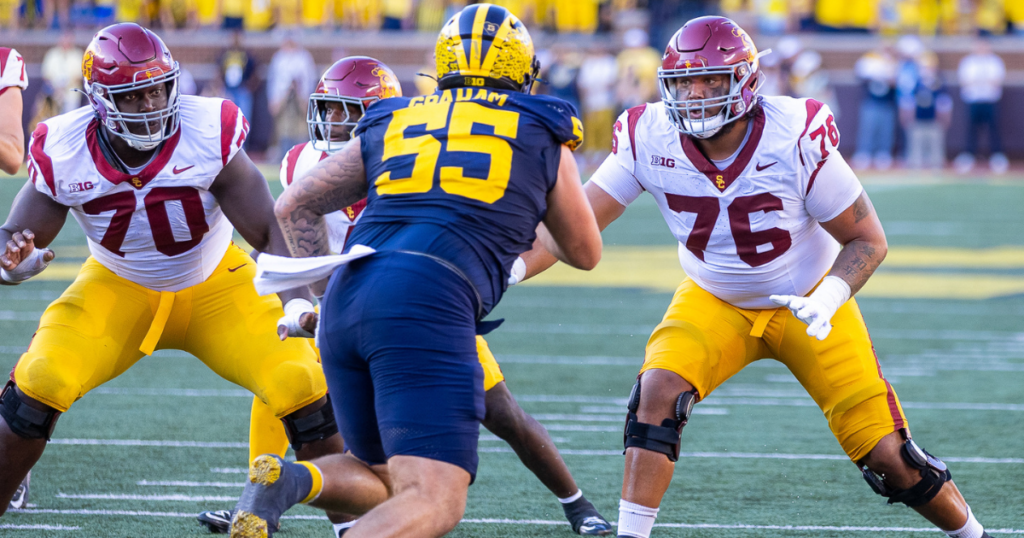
{"x": 316, "y": 14}
{"x": 908, "y": 49}
{"x": 990, "y": 17}
{"x": 178, "y": 14}
{"x": 291, "y": 77}
{"x": 208, "y": 13}
{"x": 1015, "y": 14}
{"x": 638, "y": 70}
{"x": 237, "y": 68}
{"x": 103, "y": 12}
{"x": 786, "y": 51}
{"x": 35, "y": 13}
{"x": 287, "y": 14}
{"x": 9, "y": 19}
{"x": 926, "y": 114}
{"x": 576, "y": 16}
{"x": 187, "y": 83}
{"x": 562, "y": 74}
{"x": 232, "y": 13}
{"x": 259, "y": 15}
{"x": 522, "y": 9}
{"x": 396, "y": 14}
{"x": 771, "y": 84}
{"x": 597, "y": 78}
{"x": 808, "y": 80}
{"x": 857, "y": 16}
{"x": 981, "y": 75}
{"x": 132, "y": 11}
{"x": 876, "y": 133}
{"x": 430, "y": 15}
{"x": 62, "y": 73}
{"x": 358, "y": 14}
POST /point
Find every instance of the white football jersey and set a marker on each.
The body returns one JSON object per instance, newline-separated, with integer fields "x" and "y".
{"x": 750, "y": 230}
{"x": 12, "y": 70}
{"x": 297, "y": 162}
{"x": 160, "y": 228}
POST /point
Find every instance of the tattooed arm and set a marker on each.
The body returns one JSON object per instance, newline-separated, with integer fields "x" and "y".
{"x": 337, "y": 182}
{"x": 864, "y": 246}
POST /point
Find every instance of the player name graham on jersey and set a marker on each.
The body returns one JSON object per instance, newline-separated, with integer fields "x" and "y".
{"x": 158, "y": 226}
{"x": 750, "y": 229}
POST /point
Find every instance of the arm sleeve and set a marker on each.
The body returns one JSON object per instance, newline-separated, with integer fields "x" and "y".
{"x": 615, "y": 175}
{"x": 831, "y": 185}
{"x": 234, "y": 128}
{"x": 12, "y": 70}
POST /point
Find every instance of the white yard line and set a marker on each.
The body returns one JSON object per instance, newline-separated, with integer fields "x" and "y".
{"x": 492, "y": 521}
{"x": 139, "y": 442}
{"x": 37, "y": 527}
{"x": 150, "y": 498}
{"x": 189, "y": 484}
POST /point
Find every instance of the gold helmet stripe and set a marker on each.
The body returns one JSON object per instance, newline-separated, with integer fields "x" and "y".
{"x": 460, "y": 51}
{"x": 494, "y": 51}
{"x": 477, "y": 42}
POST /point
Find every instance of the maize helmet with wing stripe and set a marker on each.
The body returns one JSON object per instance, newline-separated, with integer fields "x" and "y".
{"x": 486, "y": 45}
{"x": 356, "y": 83}
{"x": 123, "y": 58}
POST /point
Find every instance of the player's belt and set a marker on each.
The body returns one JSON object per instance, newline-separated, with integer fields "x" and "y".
{"x": 482, "y": 327}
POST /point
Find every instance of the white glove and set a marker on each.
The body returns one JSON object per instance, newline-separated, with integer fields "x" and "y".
{"x": 293, "y": 311}
{"x": 817, "y": 309}
{"x": 30, "y": 266}
{"x": 518, "y": 272}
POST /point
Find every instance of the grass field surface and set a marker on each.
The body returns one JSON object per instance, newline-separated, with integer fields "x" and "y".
{"x": 144, "y": 453}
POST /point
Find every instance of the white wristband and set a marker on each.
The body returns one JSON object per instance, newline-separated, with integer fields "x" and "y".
{"x": 518, "y": 272}
{"x": 833, "y": 292}
{"x": 30, "y": 266}
{"x": 293, "y": 312}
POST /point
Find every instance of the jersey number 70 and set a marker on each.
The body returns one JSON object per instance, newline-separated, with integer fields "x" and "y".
{"x": 427, "y": 149}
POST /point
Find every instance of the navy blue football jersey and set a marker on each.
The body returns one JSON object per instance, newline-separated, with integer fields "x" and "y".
{"x": 462, "y": 175}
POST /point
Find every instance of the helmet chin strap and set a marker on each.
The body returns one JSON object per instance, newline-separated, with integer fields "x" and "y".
{"x": 141, "y": 146}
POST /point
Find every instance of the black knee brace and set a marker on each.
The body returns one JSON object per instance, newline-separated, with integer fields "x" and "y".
{"x": 664, "y": 439}
{"x": 25, "y": 421}
{"x": 933, "y": 475}
{"x": 315, "y": 427}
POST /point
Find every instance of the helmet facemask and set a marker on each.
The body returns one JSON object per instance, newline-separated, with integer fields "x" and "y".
{"x": 118, "y": 122}
{"x": 322, "y": 131}
{"x": 743, "y": 87}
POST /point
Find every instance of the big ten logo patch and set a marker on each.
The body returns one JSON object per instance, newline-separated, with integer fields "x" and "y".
{"x": 657, "y": 160}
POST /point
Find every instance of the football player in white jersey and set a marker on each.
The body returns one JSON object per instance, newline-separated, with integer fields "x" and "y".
{"x": 775, "y": 235}
{"x": 12, "y": 81}
{"x": 156, "y": 180}
{"x": 344, "y": 92}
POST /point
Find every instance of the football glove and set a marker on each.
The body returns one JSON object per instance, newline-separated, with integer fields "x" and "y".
{"x": 30, "y": 266}
{"x": 293, "y": 312}
{"x": 518, "y": 272}
{"x": 817, "y": 309}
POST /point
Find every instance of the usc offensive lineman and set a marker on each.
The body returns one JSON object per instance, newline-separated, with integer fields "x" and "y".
{"x": 344, "y": 93}
{"x": 768, "y": 215}
{"x": 156, "y": 180}
{"x": 13, "y": 81}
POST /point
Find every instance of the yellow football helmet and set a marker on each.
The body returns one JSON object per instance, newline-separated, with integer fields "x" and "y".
{"x": 486, "y": 45}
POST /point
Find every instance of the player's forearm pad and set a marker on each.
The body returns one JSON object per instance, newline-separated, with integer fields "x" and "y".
{"x": 518, "y": 272}
{"x": 293, "y": 312}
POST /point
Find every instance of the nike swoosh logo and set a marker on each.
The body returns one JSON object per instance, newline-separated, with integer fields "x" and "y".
{"x": 769, "y": 165}
{"x": 178, "y": 171}
{"x": 237, "y": 268}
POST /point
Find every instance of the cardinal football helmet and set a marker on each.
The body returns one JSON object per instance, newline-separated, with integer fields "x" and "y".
{"x": 356, "y": 80}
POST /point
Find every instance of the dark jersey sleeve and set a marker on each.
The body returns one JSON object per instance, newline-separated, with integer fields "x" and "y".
{"x": 560, "y": 117}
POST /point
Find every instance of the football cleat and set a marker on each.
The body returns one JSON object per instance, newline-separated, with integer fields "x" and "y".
{"x": 585, "y": 519}
{"x": 274, "y": 486}
{"x": 20, "y": 499}
{"x": 216, "y": 521}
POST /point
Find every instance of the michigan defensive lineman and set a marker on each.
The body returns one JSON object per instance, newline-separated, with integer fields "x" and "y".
{"x": 341, "y": 98}
{"x": 764, "y": 207}
{"x": 456, "y": 182}
{"x": 156, "y": 180}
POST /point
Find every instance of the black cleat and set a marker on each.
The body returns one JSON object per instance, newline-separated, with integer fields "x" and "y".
{"x": 216, "y": 521}
{"x": 585, "y": 519}
{"x": 274, "y": 486}
{"x": 20, "y": 499}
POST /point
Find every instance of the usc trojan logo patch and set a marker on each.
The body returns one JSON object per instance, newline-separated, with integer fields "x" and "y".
{"x": 388, "y": 85}
{"x": 87, "y": 65}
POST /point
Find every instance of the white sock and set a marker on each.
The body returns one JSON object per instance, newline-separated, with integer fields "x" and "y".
{"x": 571, "y": 498}
{"x": 636, "y": 520}
{"x": 972, "y": 529}
{"x": 338, "y": 527}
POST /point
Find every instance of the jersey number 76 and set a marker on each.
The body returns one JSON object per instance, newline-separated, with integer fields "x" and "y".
{"x": 427, "y": 149}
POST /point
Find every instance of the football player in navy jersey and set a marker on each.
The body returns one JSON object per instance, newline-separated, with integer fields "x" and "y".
{"x": 456, "y": 185}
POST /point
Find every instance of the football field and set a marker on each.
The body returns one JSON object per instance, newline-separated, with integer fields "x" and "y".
{"x": 143, "y": 454}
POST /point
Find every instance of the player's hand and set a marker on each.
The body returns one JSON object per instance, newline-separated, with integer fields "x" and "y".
{"x": 518, "y": 272}
{"x": 300, "y": 319}
{"x": 810, "y": 311}
{"x": 21, "y": 259}
{"x": 817, "y": 309}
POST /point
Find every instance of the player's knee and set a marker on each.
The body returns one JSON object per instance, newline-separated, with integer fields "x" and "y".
{"x": 503, "y": 417}
{"x": 910, "y": 476}
{"x": 656, "y": 414}
{"x": 26, "y": 417}
{"x": 311, "y": 424}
